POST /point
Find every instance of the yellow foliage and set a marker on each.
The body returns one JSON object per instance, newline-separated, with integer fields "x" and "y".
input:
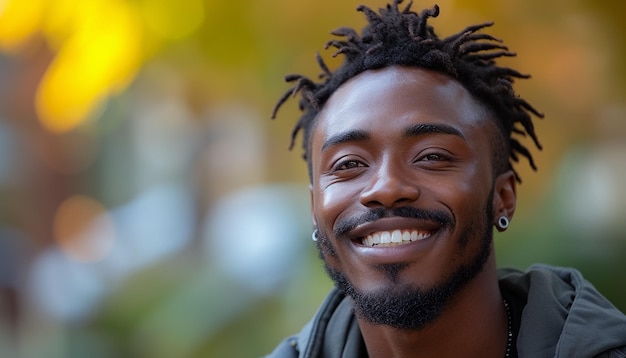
{"x": 101, "y": 56}
{"x": 100, "y": 45}
{"x": 173, "y": 22}
{"x": 18, "y": 21}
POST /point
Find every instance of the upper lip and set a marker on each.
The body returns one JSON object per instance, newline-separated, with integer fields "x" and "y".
{"x": 393, "y": 223}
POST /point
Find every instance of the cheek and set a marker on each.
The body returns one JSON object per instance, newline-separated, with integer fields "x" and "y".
{"x": 474, "y": 201}
{"x": 331, "y": 198}
{"x": 332, "y": 201}
{"x": 477, "y": 177}
{"x": 463, "y": 194}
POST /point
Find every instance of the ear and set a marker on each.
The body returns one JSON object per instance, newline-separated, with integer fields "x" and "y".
{"x": 504, "y": 196}
{"x": 313, "y": 219}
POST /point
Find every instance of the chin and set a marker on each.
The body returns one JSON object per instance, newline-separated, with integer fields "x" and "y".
{"x": 399, "y": 302}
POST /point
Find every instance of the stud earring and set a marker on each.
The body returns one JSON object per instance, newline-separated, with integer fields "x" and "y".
{"x": 314, "y": 235}
{"x": 503, "y": 223}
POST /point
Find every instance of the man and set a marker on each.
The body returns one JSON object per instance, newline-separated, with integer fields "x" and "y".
{"x": 409, "y": 146}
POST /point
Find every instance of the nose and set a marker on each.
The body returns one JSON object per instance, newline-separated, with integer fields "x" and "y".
{"x": 390, "y": 187}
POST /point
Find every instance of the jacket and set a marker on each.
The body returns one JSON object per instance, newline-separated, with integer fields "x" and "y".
{"x": 563, "y": 316}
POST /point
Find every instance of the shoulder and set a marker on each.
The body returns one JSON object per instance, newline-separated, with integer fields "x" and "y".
{"x": 613, "y": 353}
{"x": 308, "y": 341}
{"x": 560, "y": 282}
{"x": 288, "y": 348}
{"x": 564, "y": 313}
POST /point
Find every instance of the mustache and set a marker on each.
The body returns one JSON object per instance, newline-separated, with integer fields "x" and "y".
{"x": 439, "y": 216}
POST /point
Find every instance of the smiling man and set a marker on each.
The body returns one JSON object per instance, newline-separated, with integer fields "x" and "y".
{"x": 409, "y": 146}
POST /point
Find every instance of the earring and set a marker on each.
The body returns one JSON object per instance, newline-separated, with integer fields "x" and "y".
{"x": 314, "y": 235}
{"x": 503, "y": 223}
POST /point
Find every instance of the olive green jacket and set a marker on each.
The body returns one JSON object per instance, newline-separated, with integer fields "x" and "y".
{"x": 564, "y": 316}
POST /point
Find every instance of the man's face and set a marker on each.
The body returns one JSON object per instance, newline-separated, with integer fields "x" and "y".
{"x": 402, "y": 188}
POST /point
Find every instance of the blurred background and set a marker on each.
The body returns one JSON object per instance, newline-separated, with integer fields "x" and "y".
{"x": 149, "y": 207}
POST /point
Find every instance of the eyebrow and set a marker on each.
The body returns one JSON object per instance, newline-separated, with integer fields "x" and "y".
{"x": 412, "y": 131}
{"x": 349, "y": 136}
{"x": 421, "y": 129}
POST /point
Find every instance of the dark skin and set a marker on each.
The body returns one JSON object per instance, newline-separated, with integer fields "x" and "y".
{"x": 403, "y": 136}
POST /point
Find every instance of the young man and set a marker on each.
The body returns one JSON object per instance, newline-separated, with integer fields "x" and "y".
{"x": 409, "y": 146}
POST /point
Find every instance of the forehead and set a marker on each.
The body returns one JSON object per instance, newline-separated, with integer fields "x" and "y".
{"x": 399, "y": 96}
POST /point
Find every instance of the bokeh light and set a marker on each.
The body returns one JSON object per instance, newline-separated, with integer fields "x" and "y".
{"x": 83, "y": 229}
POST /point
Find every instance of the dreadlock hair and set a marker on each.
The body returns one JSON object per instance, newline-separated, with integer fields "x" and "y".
{"x": 403, "y": 37}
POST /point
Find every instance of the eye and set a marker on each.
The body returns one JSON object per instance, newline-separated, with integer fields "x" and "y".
{"x": 434, "y": 157}
{"x": 349, "y": 164}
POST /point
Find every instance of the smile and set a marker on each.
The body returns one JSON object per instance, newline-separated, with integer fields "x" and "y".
{"x": 394, "y": 238}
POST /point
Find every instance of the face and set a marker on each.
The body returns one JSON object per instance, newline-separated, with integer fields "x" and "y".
{"x": 403, "y": 190}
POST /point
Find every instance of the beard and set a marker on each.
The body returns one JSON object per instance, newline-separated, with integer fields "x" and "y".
{"x": 409, "y": 306}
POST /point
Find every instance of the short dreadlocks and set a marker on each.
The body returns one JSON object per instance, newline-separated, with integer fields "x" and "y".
{"x": 403, "y": 37}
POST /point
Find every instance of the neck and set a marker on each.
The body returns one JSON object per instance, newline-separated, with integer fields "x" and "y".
{"x": 474, "y": 324}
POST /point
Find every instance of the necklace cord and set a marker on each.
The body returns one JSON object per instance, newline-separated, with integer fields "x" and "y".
{"x": 509, "y": 338}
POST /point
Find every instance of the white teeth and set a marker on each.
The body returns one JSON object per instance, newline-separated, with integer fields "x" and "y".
{"x": 395, "y": 237}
